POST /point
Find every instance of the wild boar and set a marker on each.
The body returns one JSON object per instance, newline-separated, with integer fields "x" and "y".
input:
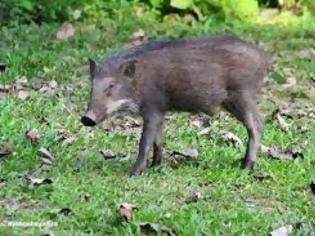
{"x": 192, "y": 75}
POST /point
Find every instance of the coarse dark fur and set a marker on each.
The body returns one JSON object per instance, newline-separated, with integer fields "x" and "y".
{"x": 194, "y": 75}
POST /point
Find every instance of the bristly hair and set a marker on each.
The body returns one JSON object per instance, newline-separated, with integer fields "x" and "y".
{"x": 138, "y": 50}
{"x": 133, "y": 52}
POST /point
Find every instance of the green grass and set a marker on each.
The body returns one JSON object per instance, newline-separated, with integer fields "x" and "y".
{"x": 233, "y": 201}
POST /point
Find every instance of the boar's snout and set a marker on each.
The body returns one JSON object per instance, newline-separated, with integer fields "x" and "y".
{"x": 89, "y": 119}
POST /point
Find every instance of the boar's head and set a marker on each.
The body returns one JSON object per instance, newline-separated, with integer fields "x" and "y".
{"x": 111, "y": 90}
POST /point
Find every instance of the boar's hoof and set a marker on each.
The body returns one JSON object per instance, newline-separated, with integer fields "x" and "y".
{"x": 156, "y": 163}
{"x": 136, "y": 171}
{"x": 248, "y": 164}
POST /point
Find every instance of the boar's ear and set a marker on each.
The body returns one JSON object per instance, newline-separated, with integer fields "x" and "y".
{"x": 129, "y": 68}
{"x": 93, "y": 65}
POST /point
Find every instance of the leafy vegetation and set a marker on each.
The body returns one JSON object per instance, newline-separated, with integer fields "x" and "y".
{"x": 39, "y": 11}
{"x": 53, "y": 169}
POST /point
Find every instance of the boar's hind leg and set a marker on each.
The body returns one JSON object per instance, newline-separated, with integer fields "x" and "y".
{"x": 157, "y": 147}
{"x": 243, "y": 106}
{"x": 151, "y": 124}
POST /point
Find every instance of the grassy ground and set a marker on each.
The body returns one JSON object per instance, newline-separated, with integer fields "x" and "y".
{"x": 89, "y": 189}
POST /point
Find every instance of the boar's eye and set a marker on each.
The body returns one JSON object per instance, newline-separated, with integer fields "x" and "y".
{"x": 108, "y": 90}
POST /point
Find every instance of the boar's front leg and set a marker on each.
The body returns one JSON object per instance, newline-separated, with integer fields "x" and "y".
{"x": 152, "y": 123}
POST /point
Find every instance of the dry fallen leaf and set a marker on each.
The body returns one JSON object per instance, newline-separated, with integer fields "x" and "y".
{"x": 35, "y": 182}
{"x": 33, "y": 135}
{"x": 199, "y": 121}
{"x": 285, "y": 154}
{"x": 290, "y": 82}
{"x": 190, "y": 153}
{"x": 127, "y": 157}
{"x": 195, "y": 196}
{"x": 44, "y": 89}
{"x": 294, "y": 111}
{"x": 120, "y": 122}
{"x": 46, "y": 161}
{"x": 231, "y": 138}
{"x": 66, "y": 32}
{"x": 283, "y": 124}
{"x": 283, "y": 111}
{"x": 307, "y": 54}
{"x": 45, "y": 153}
{"x": 126, "y": 211}
{"x": 53, "y": 84}
{"x": 5, "y": 88}
{"x": 46, "y": 157}
{"x": 23, "y": 94}
{"x": 147, "y": 228}
{"x": 12, "y": 205}
{"x": 282, "y": 231}
{"x": 21, "y": 83}
{"x": 37, "y": 84}
{"x": 5, "y": 151}
{"x": 69, "y": 141}
{"x": 303, "y": 129}
{"x": 108, "y": 154}
{"x": 130, "y": 122}
{"x": 39, "y": 181}
{"x": 205, "y": 131}
{"x": 65, "y": 137}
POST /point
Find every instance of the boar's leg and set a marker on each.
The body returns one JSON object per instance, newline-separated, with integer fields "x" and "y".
{"x": 152, "y": 121}
{"x": 157, "y": 147}
{"x": 243, "y": 106}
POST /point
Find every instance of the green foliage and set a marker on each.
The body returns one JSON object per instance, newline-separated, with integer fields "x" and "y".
{"x": 38, "y": 10}
{"x": 244, "y": 10}
{"x": 181, "y": 4}
{"x": 104, "y": 12}
{"x": 310, "y": 4}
